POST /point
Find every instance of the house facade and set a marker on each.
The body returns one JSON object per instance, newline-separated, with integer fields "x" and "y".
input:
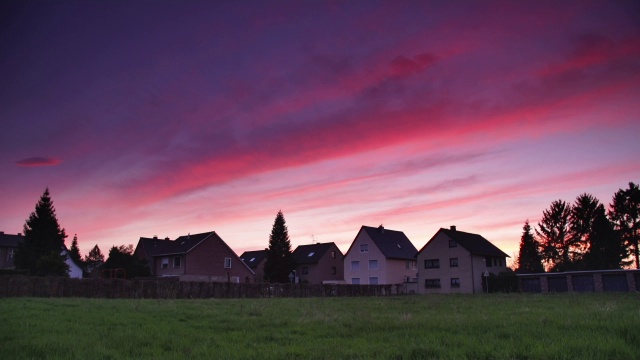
{"x": 320, "y": 263}
{"x": 255, "y": 260}
{"x": 380, "y": 256}
{"x": 454, "y": 261}
{"x": 199, "y": 257}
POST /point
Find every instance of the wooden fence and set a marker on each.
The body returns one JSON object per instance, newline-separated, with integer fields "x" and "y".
{"x": 26, "y": 286}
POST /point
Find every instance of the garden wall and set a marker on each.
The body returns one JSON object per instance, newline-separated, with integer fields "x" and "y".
{"x": 16, "y": 286}
{"x": 581, "y": 281}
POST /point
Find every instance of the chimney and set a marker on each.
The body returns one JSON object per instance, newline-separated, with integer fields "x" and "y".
{"x": 155, "y": 237}
{"x": 453, "y": 228}
{"x": 381, "y": 228}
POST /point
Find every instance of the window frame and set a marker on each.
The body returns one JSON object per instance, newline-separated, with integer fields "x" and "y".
{"x": 364, "y": 248}
{"x": 178, "y": 260}
{"x": 432, "y": 263}
{"x": 357, "y": 265}
{"x": 455, "y": 283}
{"x": 453, "y": 262}
{"x": 453, "y": 243}
{"x": 164, "y": 262}
{"x": 373, "y": 261}
{"x": 432, "y": 283}
{"x": 227, "y": 263}
{"x": 372, "y": 279}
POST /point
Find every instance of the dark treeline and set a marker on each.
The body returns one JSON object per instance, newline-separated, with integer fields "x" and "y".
{"x": 584, "y": 235}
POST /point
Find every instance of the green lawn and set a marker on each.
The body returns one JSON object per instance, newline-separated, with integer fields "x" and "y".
{"x": 494, "y": 326}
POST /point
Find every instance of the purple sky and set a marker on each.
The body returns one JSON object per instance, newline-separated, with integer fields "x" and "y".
{"x": 172, "y": 117}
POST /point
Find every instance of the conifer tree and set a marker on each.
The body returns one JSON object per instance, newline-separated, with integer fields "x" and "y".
{"x": 41, "y": 250}
{"x": 93, "y": 262}
{"x": 606, "y": 247}
{"x": 552, "y": 234}
{"x": 279, "y": 257}
{"x": 74, "y": 251}
{"x": 581, "y": 222}
{"x": 625, "y": 214}
{"x": 529, "y": 259}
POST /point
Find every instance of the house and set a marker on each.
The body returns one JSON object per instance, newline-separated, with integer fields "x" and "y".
{"x": 255, "y": 260}
{"x": 320, "y": 263}
{"x": 9, "y": 244}
{"x": 457, "y": 261}
{"x": 380, "y": 256}
{"x": 199, "y": 257}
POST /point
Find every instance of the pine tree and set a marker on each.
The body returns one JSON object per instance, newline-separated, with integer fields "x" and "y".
{"x": 279, "y": 257}
{"x": 93, "y": 262}
{"x": 625, "y": 214}
{"x": 41, "y": 250}
{"x": 529, "y": 259}
{"x": 552, "y": 234}
{"x": 606, "y": 247}
{"x": 74, "y": 251}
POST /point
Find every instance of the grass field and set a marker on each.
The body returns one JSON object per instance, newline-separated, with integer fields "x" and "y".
{"x": 494, "y": 326}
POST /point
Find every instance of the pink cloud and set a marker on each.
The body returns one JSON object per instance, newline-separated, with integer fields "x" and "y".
{"x": 38, "y": 161}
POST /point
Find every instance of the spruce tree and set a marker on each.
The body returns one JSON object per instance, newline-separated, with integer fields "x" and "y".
{"x": 279, "y": 257}
{"x": 93, "y": 262}
{"x": 41, "y": 250}
{"x": 581, "y": 221}
{"x": 625, "y": 214}
{"x": 552, "y": 234}
{"x": 606, "y": 247}
{"x": 74, "y": 251}
{"x": 529, "y": 259}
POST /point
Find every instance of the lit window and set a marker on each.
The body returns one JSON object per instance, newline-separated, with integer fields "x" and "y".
{"x": 432, "y": 283}
{"x": 227, "y": 263}
{"x": 165, "y": 262}
{"x": 373, "y": 281}
{"x": 355, "y": 265}
{"x": 176, "y": 262}
{"x": 364, "y": 248}
{"x": 432, "y": 264}
{"x": 455, "y": 282}
{"x": 373, "y": 264}
{"x": 355, "y": 281}
{"x": 453, "y": 262}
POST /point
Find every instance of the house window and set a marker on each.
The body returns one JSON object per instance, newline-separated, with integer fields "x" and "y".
{"x": 355, "y": 281}
{"x": 455, "y": 282}
{"x": 373, "y": 280}
{"x": 165, "y": 263}
{"x": 453, "y": 262}
{"x": 176, "y": 262}
{"x": 227, "y": 263}
{"x": 432, "y": 264}
{"x": 333, "y": 254}
{"x": 432, "y": 283}
{"x": 373, "y": 264}
{"x": 333, "y": 270}
{"x": 487, "y": 261}
{"x": 10, "y": 253}
{"x": 305, "y": 270}
{"x": 453, "y": 243}
{"x": 411, "y": 265}
{"x": 495, "y": 262}
{"x": 364, "y": 248}
{"x": 355, "y": 265}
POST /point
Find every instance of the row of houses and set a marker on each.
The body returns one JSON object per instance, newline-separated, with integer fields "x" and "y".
{"x": 451, "y": 261}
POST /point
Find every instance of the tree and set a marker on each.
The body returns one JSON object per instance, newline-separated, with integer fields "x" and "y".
{"x": 41, "y": 250}
{"x": 606, "y": 247}
{"x": 74, "y": 251}
{"x": 122, "y": 257}
{"x": 581, "y": 221}
{"x": 552, "y": 234}
{"x": 279, "y": 257}
{"x": 625, "y": 215}
{"x": 93, "y": 262}
{"x": 529, "y": 259}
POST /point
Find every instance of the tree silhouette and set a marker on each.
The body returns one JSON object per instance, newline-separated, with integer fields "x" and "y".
{"x": 581, "y": 220}
{"x": 625, "y": 215}
{"x": 40, "y": 252}
{"x": 122, "y": 257}
{"x": 93, "y": 262}
{"x": 279, "y": 262}
{"x": 552, "y": 234}
{"x": 606, "y": 247}
{"x": 529, "y": 259}
{"x": 74, "y": 251}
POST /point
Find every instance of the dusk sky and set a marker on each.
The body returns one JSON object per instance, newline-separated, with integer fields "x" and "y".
{"x": 173, "y": 117}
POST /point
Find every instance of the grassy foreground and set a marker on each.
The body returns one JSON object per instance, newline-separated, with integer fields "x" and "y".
{"x": 494, "y": 326}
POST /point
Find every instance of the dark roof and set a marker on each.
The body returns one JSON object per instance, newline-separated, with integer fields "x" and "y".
{"x": 8, "y": 240}
{"x": 182, "y": 245}
{"x": 393, "y": 244}
{"x": 253, "y": 258}
{"x": 310, "y": 254}
{"x": 474, "y": 243}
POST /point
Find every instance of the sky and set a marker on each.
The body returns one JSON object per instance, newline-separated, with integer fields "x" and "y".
{"x": 167, "y": 118}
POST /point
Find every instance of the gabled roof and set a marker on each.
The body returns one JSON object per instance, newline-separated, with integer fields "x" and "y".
{"x": 473, "y": 243}
{"x": 11, "y": 241}
{"x": 182, "y": 245}
{"x": 253, "y": 258}
{"x": 311, "y": 254}
{"x": 393, "y": 244}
